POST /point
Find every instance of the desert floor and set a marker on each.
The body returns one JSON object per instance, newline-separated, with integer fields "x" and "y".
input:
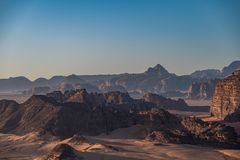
{"x": 120, "y": 144}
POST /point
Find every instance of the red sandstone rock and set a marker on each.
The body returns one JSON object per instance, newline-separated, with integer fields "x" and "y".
{"x": 226, "y": 99}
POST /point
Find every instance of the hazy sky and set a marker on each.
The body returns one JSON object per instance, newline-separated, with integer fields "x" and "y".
{"x": 42, "y": 38}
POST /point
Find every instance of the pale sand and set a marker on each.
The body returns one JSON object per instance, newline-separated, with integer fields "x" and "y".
{"x": 190, "y": 113}
{"x": 118, "y": 145}
{"x": 198, "y": 102}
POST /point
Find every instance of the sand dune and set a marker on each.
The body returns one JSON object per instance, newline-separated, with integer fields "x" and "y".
{"x": 116, "y": 146}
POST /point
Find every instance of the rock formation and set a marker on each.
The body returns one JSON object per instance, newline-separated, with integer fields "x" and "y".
{"x": 167, "y": 128}
{"x": 226, "y": 99}
{"x": 117, "y": 97}
{"x": 63, "y": 152}
{"x": 163, "y": 102}
{"x": 58, "y": 96}
{"x": 46, "y": 115}
{"x": 202, "y": 90}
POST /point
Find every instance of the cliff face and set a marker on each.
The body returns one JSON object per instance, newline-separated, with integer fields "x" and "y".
{"x": 226, "y": 99}
{"x": 203, "y": 90}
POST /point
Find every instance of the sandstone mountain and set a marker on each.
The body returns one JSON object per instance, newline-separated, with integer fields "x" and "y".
{"x": 85, "y": 113}
{"x": 226, "y": 99}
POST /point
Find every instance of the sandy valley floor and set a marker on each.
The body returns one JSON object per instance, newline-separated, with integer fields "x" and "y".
{"x": 116, "y": 146}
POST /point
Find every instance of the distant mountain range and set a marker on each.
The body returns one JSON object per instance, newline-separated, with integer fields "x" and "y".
{"x": 155, "y": 80}
{"x": 215, "y": 73}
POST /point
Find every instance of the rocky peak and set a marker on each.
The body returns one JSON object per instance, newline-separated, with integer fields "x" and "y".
{"x": 57, "y": 95}
{"x": 117, "y": 97}
{"x": 79, "y": 95}
{"x": 158, "y": 70}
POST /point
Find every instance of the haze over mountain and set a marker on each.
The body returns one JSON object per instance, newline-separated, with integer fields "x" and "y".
{"x": 154, "y": 80}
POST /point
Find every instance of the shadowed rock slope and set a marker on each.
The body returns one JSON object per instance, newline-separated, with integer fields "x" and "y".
{"x": 234, "y": 117}
{"x": 63, "y": 152}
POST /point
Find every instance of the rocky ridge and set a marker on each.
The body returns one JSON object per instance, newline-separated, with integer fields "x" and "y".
{"x": 47, "y": 115}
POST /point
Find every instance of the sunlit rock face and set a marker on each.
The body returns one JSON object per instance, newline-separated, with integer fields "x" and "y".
{"x": 63, "y": 152}
{"x": 226, "y": 99}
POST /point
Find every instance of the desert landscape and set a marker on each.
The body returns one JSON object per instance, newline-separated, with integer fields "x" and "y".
{"x": 112, "y": 125}
{"x": 119, "y": 80}
{"x": 119, "y": 145}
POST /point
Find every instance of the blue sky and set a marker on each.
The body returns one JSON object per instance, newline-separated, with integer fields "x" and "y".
{"x": 42, "y": 38}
